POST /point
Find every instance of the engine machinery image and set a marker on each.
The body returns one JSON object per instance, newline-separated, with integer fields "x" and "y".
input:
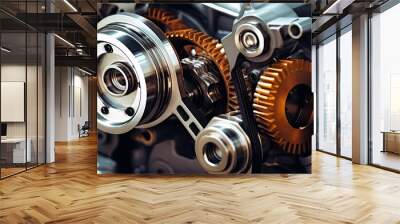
{"x": 204, "y": 88}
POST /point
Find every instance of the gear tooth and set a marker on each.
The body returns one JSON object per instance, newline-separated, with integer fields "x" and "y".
{"x": 268, "y": 103}
{"x": 285, "y": 145}
{"x": 277, "y": 74}
{"x": 270, "y": 79}
{"x": 262, "y": 94}
{"x": 266, "y": 85}
{"x": 166, "y": 18}
{"x": 259, "y": 107}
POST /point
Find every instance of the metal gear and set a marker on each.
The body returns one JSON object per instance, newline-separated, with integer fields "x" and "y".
{"x": 206, "y": 84}
{"x": 283, "y": 116}
{"x": 167, "y": 20}
{"x": 204, "y": 45}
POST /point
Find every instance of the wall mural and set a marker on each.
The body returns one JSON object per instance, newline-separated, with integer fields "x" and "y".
{"x": 216, "y": 88}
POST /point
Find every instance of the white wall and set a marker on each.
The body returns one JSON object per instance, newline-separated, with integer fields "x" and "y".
{"x": 71, "y": 102}
{"x": 61, "y": 103}
{"x": 80, "y": 111}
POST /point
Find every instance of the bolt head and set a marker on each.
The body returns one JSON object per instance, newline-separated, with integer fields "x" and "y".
{"x": 104, "y": 110}
{"x": 130, "y": 111}
{"x": 108, "y": 48}
{"x": 250, "y": 40}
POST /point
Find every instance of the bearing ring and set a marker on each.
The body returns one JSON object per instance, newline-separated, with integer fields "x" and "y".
{"x": 223, "y": 146}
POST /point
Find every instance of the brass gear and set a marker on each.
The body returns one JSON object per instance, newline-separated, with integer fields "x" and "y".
{"x": 166, "y": 19}
{"x": 270, "y": 105}
{"x": 206, "y": 46}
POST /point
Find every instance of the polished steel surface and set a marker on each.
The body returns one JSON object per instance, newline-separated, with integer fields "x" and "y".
{"x": 265, "y": 23}
{"x": 223, "y": 146}
{"x": 170, "y": 85}
{"x": 206, "y": 84}
{"x": 136, "y": 65}
{"x": 250, "y": 40}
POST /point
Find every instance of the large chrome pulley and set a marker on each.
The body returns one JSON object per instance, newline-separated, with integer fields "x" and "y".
{"x": 139, "y": 77}
{"x": 137, "y": 70}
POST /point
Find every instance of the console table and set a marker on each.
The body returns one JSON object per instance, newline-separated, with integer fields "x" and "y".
{"x": 391, "y": 141}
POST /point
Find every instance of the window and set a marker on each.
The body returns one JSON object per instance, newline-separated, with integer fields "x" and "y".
{"x": 346, "y": 75}
{"x": 385, "y": 89}
{"x": 22, "y": 101}
{"x": 327, "y": 96}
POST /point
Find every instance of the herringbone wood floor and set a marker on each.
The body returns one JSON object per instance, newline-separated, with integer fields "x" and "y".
{"x": 69, "y": 191}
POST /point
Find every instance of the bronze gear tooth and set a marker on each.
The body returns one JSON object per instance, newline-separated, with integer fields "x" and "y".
{"x": 276, "y": 76}
{"x": 271, "y": 92}
{"x": 292, "y": 148}
{"x": 215, "y": 52}
{"x": 261, "y": 98}
{"x": 265, "y": 85}
{"x": 300, "y": 148}
{"x": 166, "y": 18}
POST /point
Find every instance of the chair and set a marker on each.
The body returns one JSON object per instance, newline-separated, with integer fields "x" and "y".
{"x": 84, "y": 130}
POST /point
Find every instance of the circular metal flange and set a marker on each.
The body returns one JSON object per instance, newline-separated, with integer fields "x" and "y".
{"x": 254, "y": 39}
{"x": 223, "y": 146}
{"x": 137, "y": 74}
{"x": 295, "y": 31}
{"x": 249, "y": 40}
{"x": 118, "y": 79}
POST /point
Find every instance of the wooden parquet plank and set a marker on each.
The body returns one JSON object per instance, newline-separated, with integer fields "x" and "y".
{"x": 70, "y": 191}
